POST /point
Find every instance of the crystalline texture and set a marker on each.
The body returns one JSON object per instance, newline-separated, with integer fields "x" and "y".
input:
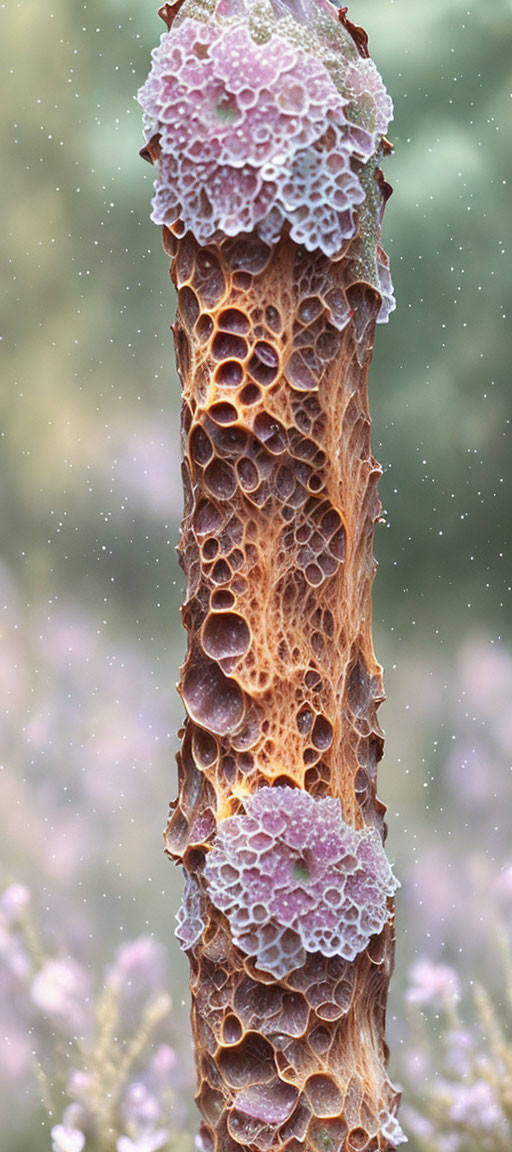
{"x": 293, "y": 878}
{"x": 189, "y": 918}
{"x": 391, "y": 1129}
{"x": 256, "y": 134}
{"x": 369, "y": 104}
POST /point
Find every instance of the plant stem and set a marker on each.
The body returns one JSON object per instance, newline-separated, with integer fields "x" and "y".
{"x": 280, "y": 682}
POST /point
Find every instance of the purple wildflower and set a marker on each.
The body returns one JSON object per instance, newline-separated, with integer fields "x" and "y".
{"x": 431, "y": 983}
{"x": 66, "y": 1139}
{"x": 61, "y": 990}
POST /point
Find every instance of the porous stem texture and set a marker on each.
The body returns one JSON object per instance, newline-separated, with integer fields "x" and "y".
{"x": 288, "y": 909}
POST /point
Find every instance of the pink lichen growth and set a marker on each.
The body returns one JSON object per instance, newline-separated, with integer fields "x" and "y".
{"x": 391, "y": 1129}
{"x": 293, "y": 878}
{"x": 189, "y": 918}
{"x": 385, "y": 287}
{"x": 370, "y": 105}
{"x": 255, "y": 134}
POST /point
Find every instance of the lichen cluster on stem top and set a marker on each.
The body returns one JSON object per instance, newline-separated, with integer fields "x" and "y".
{"x": 265, "y": 114}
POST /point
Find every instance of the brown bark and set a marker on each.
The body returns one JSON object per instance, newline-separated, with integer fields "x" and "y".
{"x": 280, "y": 681}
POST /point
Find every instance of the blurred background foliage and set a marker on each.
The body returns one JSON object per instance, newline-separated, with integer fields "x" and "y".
{"x": 90, "y": 499}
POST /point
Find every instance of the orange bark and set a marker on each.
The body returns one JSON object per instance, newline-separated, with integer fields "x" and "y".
{"x": 288, "y": 909}
{"x": 280, "y": 682}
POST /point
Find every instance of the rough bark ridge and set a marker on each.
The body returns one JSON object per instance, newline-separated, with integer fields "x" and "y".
{"x": 281, "y": 686}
